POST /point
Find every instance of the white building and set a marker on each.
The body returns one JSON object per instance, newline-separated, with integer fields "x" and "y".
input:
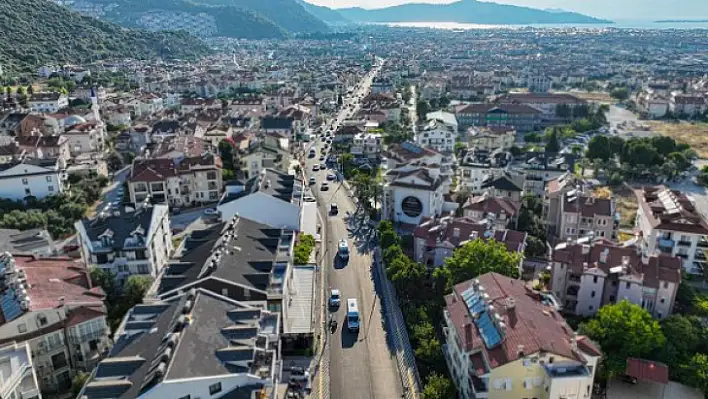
{"x": 50, "y": 304}
{"x": 688, "y": 105}
{"x": 127, "y": 242}
{"x": 438, "y": 136}
{"x": 18, "y": 378}
{"x": 670, "y": 224}
{"x": 48, "y": 102}
{"x": 587, "y": 275}
{"x": 31, "y": 177}
{"x": 198, "y": 344}
{"x": 367, "y": 145}
{"x": 506, "y": 341}
{"x": 446, "y": 118}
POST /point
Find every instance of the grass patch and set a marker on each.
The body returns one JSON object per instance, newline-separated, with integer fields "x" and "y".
{"x": 622, "y": 236}
{"x": 626, "y": 206}
{"x": 694, "y": 134}
{"x": 596, "y": 96}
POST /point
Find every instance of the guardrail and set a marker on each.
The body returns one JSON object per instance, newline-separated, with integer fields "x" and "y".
{"x": 405, "y": 358}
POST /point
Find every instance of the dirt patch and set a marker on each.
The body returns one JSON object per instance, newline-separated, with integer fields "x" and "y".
{"x": 626, "y": 203}
{"x": 596, "y": 96}
{"x": 693, "y": 134}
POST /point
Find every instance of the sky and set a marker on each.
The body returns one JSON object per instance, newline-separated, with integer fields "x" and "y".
{"x": 611, "y": 9}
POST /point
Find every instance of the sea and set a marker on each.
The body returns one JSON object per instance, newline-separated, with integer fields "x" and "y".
{"x": 629, "y": 24}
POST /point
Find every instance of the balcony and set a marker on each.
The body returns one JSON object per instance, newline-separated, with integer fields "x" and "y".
{"x": 700, "y": 255}
{"x": 78, "y": 339}
{"x": 684, "y": 256}
{"x": 665, "y": 245}
{"x": 683, "y": 243}
{"x": 703, "y": 243}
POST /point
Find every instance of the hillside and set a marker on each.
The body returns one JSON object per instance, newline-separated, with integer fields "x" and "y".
{"x": 327, "y": 15}
{"x": 288, "y": 14}
{"x": 37, "y": 32}
{"x": 465, "y": 11}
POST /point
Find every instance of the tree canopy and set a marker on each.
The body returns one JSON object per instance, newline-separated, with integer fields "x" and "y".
{"x": 478, "y": 257}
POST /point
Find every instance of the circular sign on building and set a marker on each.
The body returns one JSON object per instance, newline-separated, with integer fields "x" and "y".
{"x": 412, "y": 206}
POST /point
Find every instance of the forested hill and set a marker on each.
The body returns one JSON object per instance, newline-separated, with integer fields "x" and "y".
{"x": 37, "y": 32}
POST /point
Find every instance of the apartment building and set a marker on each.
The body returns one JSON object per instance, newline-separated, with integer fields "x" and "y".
{"x": 438, "y": 136}
{"x": 86, "y": 137}
{"x": 446, "y": 118}
{"x": 670, "y": 224}
{"x": 501, "y": 212}
{"x": 48, "y": 102}
{"x": 40, "y": 146}
{"x": 540, "y": 167}
{"x": 688, "y": 104}
{"x": 505, "y": 185}
{"x": 490, "y": 139}
{"x": 183, "y": 171}
{"x": 34, "y": 177}
{"x": 588, "y": 274}
{"x": 550, "y": 104}
{"x": 475, "y": 166}
{"x": 50, "y": 304}
{"x": 435, "y": 239}
{"x": 367, "y": 146}
{"x": 18, "y": 378}
{"x": 520, "y": 117}
{"x": 578, "y": 214}
{"x": 506, "y": 341}
{"x": 195, "y": 344}
{"x": 127, "y": 241}
{"x": 257, "y": 153}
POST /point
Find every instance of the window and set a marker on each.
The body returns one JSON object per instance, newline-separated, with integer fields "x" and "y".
{"x": 28, "y": 192}
{"x": 594, "y": 280}
{"x": 24, "y": 181}
{"x": 629, "y": 285}
{"x": 590, "y": 308}
{"x": 49, "y": 179}
{"x": 225, "y": 291}
{"x": 211, "y": 175}
{"x": 551, "y": 359}
{"x": 592, "y": 294}
{"x": 666, "y": 284}
{"x": 528, "y": 383}
{"x": 142, "y": 269}
{"x": 612, "y": 298}
{"x": 186, "y": 397}
{"x": 662, "y": 300}
{"x": 507, "y": 384}
{"x": 22, "y": 328}
{"x": 50, "y": 189}
{"x": 214, "y": 388}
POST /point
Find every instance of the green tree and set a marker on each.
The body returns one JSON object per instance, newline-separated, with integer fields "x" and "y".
{"x": 77, "y": 383}
{"x": 532, "y": 137}
{"x": 620, "y": 93}
{"x": 226, "y": 152}
{"x": 303, "y": 249}
{"x": 697, "y": 371}
{"x": 422, "y": 108}
{"x": 437, "y": 386}
{"x": 107, "y": 281}
{"x": 8, "y": 91}
{"x": 535, "y": 247}
{"x": 623, "y": 330}
{"x": 479, "y": 257}
{"x": 135, "y": 288}
{"x": 553, "y": 143}
{"x": 599, "y": 148}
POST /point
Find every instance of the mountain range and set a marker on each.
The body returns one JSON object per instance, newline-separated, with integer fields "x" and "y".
{"x": 38, "y": 32}
{"x": 467, "y": 11}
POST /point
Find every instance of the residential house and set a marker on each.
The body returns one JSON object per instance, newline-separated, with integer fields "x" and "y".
{"x": 475, "y": 166}
{"x": 447, "y": 118}
{"x": 412, "y": 192}
{"x": 127, "y": 242}
{"x": 520, "y": 117}
{"x": 438, "y": 136}
{"x": 435, "y": 239}
{"x": 50, "y": 304}
{"x": 588, "y": 274}
{"x": 367, "y": 146}
{"x": 490, "y": 138}
{"x": 48, "y": 102}
{"x": 31, "y": 177}
{"x": 506, "y": 341}
{"x": 18, "y": 377}
{"x": 555, "y": 107}
{"x": 86, "y": 137}
{"x": 499, "y": 211}
{"x": 670, "y": 224}
{"x": 580, "y": 214}
{"x": 504, "y": 185}
{"x": 257, "y": 153}
{"x": 196, "y": 344}
{"x": 690, "y": 105}
{"x": 39, "y": 146}
{"x": 540, "y": 167}
{"x": 36, "y": 242}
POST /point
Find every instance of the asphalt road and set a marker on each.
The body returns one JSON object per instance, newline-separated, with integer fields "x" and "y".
{"x": 362, "y": 365}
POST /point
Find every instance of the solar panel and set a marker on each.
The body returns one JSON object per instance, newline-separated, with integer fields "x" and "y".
{"x": 412, "y": 148}
{"x": 10, "y": 307}
{"x": 488, "y": 330}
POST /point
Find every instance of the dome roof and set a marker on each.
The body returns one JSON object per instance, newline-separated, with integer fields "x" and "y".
{"x": 72, "y": 120}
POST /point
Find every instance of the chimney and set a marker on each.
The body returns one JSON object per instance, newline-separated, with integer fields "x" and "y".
{"x": 586, "y": 249}
{"x": 510, "y": 304}
{"x": 468, "y": 335}
{"x": 574, "y": 341}
{"x": 475, "y": 285}
{"x": 61, "y": 301}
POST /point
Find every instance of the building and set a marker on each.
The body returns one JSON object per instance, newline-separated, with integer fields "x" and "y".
{"x": 278, "y": 192}
{"x": 86, "y": 137}
{"x": 435, "y": 239}
{"x": 588, "y": 274}
{"x": 438, "y": 136}
{"x": 555, "y": 107}
{"x": 504, "y": 185}
{"x": 500, "y": 212}
{"x": 475, "y": 166}
{"x": 40, "y": 146}
{"x": 520, "y": 117}
{"x": 182, "y": 171}
{"x": 447, "y": 118}
{"x": 48, "y": 102}
{"x": 127, "y": 242}
{"x": 196, "y": 344}
{"x": 411, "y": 193}
{"x": 34, "y": 177}
{"x": 50, "y": 304}
{"x": 36, "y": 242}
{"x": 670, "y": 224}
{"x": 257, "y": 153}
{"x": 506, "y": 341}
{"x": 578, "y": 214}
{"x": 688, "y": 105}
{"x": 17, "y": 373}
{"x": 540, "y": 167}
{"x": 490, "y": 139}
{"x": 367, "y": 146}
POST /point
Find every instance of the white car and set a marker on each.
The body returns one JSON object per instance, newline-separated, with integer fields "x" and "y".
{"x": 343, "y": 249}
{"x": 335, "y": 298}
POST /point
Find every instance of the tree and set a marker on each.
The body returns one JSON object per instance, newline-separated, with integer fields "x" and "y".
{"x": 107, "y": 281}
{"x": 479, "y": 257}
{"x": 620, "y": 93}
{"x": 438, "y": 386}
{"x": 598, "y": 148}
{"x": 532, "y": 137}
{"x": 697, "y": 371}
{"x": 30, "y": 90}
{"x": 226, "y": 151}
{"x": 515, "y": 151}
{"x": 77, "y": 383}
{"x": 422, "y": 108}
{"x": 135, "y": 288}
{"x": 553, "y": 143}
{"x": 535, "y": 247}
{"x": 8, "y": 92}
{"x": 623, "y": 330}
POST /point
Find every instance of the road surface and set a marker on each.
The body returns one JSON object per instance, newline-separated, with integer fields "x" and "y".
{"x": 362, "y": 365}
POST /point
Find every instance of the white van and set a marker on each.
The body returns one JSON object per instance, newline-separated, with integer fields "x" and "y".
{"x": 352, "y": 315}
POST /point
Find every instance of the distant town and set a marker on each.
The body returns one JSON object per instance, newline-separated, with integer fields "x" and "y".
{"x": 376, "y": 212}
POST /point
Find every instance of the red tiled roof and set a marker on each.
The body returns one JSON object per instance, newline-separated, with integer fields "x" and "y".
{"x": 486, "y": 204}
{"x": 647, "y": 370}
{"x": 530, "y": 325}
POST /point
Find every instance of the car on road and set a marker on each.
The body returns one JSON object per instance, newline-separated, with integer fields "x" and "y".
{"x": 335, "y": 298}
{"x": 331, "y": 177}
{"x": 313, "y": 180}
{"x": 324, "y": 186}
{"x": 299, "y": 374}
{"x": 211, "y": 212}
{"x": 333, "y": 209}
{"x": 315, "y": 167}
{"x": 352, "y": 315}
{"x": 309, "y": 198}
{"x": 312, "y": 153}
{"x": 323, "y": 166}
{"x": 343, "y": 249}
{"x": 322, "y": 157}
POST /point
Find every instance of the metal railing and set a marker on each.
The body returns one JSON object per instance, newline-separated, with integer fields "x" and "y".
{"x": 405, "y": 359}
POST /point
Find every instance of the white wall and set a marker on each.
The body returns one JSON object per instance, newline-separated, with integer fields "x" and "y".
{"x": 39, "y": 181}
{"x": 668, "y": 293}
{"x": 199, "y": 387}
{"x": 280, "y": 214}
{"x": 632, "y": 294}
{"x": 588, "y": 304}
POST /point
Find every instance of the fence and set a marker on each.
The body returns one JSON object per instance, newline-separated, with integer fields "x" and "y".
{"x": 405, "y": 358}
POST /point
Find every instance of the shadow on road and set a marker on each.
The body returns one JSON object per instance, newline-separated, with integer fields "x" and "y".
{"x": 349, "y": 338}
{"x": 379, "y": 288}
{"x": 339, "y": 263}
